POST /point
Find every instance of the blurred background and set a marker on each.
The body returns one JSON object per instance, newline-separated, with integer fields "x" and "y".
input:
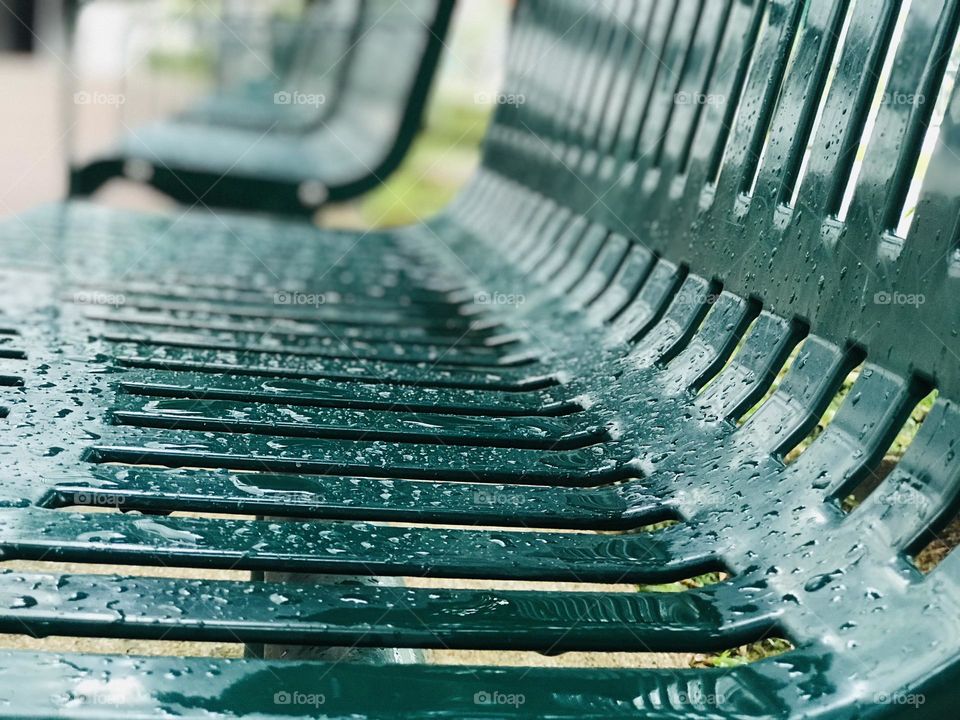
{"x": 115, "y": 58}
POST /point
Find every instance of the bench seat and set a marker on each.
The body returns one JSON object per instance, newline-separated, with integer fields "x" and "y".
{"x": 593, "y": 441}
{"x": 596, "y": 366}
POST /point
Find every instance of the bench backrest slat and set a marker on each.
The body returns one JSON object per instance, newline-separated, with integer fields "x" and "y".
{"x": 724, "y": 137}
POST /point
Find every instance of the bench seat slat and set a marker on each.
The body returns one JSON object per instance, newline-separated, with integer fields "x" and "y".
{"x": 158, "y": 687}
{"x": 354, "y": 548}
{"x": 543, "y": 433}
{"x": 323, "y": 393}
{"x": 595, "y": 464}
{"x": 370, "y": 616}
{"x": 441, "y": 356}
{"x": 336, "y": 345}
{"x": 355, "y": 498}
{"x": 199, "y": 320}
{"x": 277, "y": 365}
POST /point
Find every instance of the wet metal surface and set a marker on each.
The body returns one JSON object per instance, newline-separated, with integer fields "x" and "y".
{"x": 536, "y": 362}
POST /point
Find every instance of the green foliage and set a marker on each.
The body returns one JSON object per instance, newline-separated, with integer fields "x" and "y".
{"x": 768, "y": 647}
{"x": 439, "y": 163}
{"x": 195, "y": 62}
{"x": 910, "y": 428}
{"x": 693, "y": 583}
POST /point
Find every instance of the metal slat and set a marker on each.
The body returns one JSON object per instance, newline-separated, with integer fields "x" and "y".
{"x": 151, "y": 489}
{"x": 352, "y": 548}
{"x": 323, "y": 393}
{"x": 372, "y": 616}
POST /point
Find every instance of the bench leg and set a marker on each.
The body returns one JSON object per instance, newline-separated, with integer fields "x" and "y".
{"x": 373, "y": 656}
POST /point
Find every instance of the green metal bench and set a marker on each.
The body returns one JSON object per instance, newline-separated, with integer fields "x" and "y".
{"x": 511, "y": 390}
{"x": 294, "y": 144}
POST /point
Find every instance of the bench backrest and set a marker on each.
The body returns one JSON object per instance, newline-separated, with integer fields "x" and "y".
{"x": 386, "y": 77}
{"x": 727, "y": 136}
{"x": 378, "y": 52}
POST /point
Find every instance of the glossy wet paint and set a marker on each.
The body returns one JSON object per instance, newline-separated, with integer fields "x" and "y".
{"x": 555, "y": 353}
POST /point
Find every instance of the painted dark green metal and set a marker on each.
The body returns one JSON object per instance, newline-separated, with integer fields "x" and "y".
{"x": 520, "y": 384}
{"x": 244, "y": 151}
